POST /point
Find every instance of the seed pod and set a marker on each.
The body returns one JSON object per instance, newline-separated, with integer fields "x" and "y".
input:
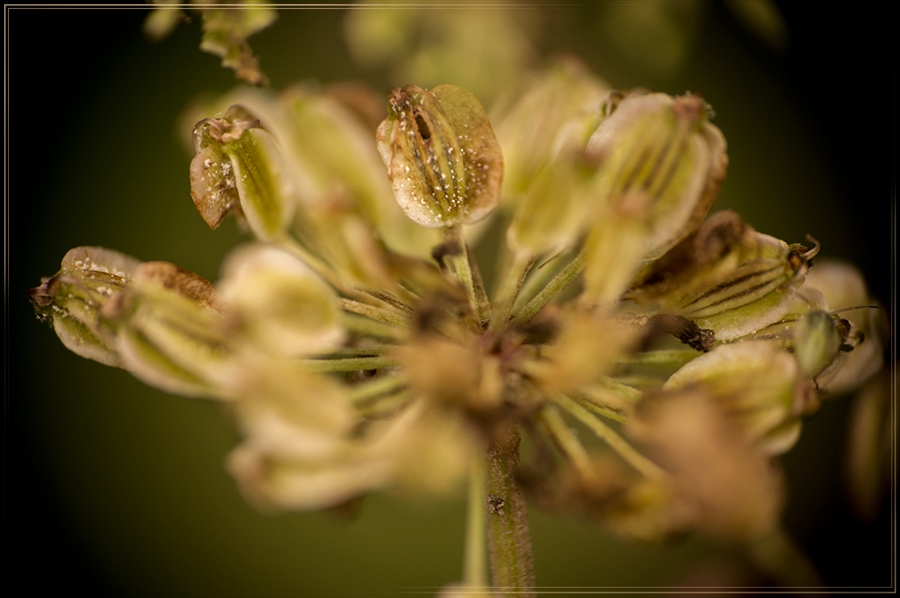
{"x": 238, "y": 168}
{"x": 753, "y": 295}
{"x": 848, "y": 301}
{"x": 726, "y": 277}
{"x": 279, "y": 302}
{"x": 557, "y": 111}
{"x": 554, "y": 209}
{"x": 72, "y": 299}
{"x": 817, "y": 342}
{"x": 756, "y": 383}
{"x": 664, "y": 150}
{"x": 443, "y": 160}
{"x": 168, "y": 330}
{"x": 728, "y": 484}
{"x": 700, "y": 261}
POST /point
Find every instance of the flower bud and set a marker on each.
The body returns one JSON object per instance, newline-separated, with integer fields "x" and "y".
{"x": 443, "y": 160}
{"x": 665, "y": 149}
{"x": 238, "y": 168}
{"x": 72, "y": 299}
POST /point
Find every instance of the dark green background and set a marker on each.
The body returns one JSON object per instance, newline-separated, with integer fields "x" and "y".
{"x": 120, "y": 490}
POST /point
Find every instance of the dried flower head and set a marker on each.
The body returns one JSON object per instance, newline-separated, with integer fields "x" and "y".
{"x": 361, "y": 350}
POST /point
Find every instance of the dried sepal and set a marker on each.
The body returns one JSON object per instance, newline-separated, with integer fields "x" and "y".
{"x": 443, "y": 160}
{"x": 238, "y": 168}
{"x": 225, "y": 33}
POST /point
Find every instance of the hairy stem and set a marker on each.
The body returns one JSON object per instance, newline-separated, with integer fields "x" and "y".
{"x": 512, "y": 564}
{"x": 557, "y": 285}
{"x": 509, "y": 291}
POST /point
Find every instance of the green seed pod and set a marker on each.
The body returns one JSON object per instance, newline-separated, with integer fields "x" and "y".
{"x": 857, "y": 317}
{"x": 169, "y": 331}
{"x": 751, "y": 296}
{"x": 557, "y": 111}
{"x": 443, "y": 160}
{"x": 279, "y": 302}
{"x": 554, "y": 209}
{"x": 756, "y": 383}
{"x": 72, "y": 299}
{"x": 665, "y": 151}
{"x": 726, "y": 277}
{"x": 700, "y": 261}
{"x": 817, "y": 342}
{"x": 238, "y": 168}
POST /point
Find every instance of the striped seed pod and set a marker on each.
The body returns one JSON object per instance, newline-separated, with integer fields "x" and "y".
{"x": 443, "y": 160}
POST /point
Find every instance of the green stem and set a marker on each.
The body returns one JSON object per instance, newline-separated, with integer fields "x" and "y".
{"x": 379, "y": 314}
{"x": 351, "y": 364}
{"x": 549, "y": 292}
{"x": 467, "y": 273}
{"x": 391, "y": 300}
{"x": 367, "y": 327}
{"x": 317, "y": 265}
{"x": 512, "y": 564}
{"x": 512, "y": 285}
{"x": 566, "y": 440}
{"x": 380, "y": 385}
{"x": 597, "y": 405}
{"x": 539, "y": 275}
{"x": 613, "y": 440}
{"x": 474, "y": 570}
